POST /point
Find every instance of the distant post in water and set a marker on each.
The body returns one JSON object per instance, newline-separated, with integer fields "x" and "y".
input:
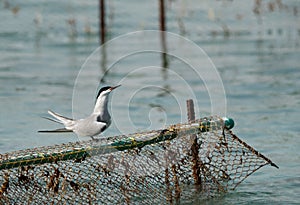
{"x": 162, "y": 27}
{"x": 162, "y": 15}
{"x": 102, "y": 26}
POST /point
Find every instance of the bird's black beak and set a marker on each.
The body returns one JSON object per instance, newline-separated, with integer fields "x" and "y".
{"x": 114, "y": 87}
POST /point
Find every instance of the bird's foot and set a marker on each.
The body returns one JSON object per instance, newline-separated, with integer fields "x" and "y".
{"x": 95, "y": 139}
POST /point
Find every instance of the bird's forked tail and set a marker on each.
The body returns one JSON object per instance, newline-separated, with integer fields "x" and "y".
{"x": 67, "y": 122}
{"x": 64, "y": 120}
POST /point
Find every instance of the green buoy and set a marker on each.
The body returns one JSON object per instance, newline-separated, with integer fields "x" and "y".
{"x": 228, "y": 122}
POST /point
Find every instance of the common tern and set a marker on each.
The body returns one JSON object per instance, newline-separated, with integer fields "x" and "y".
{"x": 91, "y": 126}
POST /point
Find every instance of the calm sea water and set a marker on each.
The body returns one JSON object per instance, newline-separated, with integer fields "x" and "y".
{"x": 44, "y": 45}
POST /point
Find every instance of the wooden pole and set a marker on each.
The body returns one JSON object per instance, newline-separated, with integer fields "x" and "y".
{"x": 190, "y": 110}
{"x": 162, "y": 27}
{"x": 102, "y": 26}
{"x": 196, "y": 166}
{"x": 162, "y": 15}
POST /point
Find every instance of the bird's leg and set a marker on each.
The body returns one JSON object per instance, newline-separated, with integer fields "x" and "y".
{"x": 94, "y": 139}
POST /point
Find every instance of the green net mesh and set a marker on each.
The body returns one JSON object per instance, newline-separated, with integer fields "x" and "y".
{"x": 196, "y": 160}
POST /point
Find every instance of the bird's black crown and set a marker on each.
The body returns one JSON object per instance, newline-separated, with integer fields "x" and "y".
{"x": 102, "y": 89}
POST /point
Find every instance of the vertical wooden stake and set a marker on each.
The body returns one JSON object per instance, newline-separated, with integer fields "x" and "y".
{"x": 102, "y": 29}
{"x": 102, "y": 35}
{"x": 162, "y": 27}
{"x": 190, "y": 110}
{"x": 195, "y": 146}
{"x": 162, "y": 15}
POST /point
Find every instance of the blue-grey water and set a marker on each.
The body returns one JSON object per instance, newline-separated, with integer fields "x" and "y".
{"x": 255, "y": 48}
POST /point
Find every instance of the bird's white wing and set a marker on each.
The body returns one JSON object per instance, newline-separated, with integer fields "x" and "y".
{"x": 89, "y": 127}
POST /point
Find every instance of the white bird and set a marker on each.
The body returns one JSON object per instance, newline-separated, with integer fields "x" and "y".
{"x": 91, "y": 126}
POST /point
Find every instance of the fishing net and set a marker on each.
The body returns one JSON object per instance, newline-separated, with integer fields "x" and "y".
{"x": 174, "y": 165}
